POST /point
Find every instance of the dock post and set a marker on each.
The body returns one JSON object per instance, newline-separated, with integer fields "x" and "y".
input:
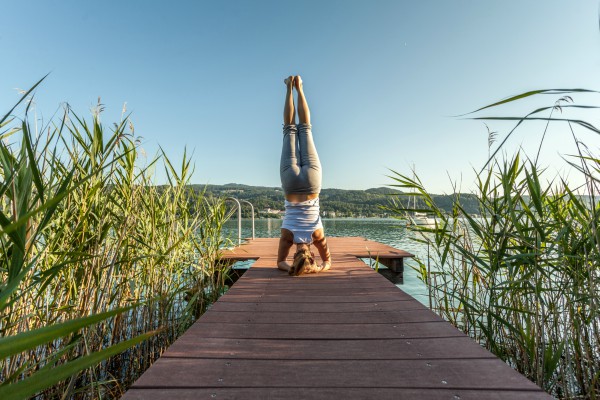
{"x": 395, "y": 271}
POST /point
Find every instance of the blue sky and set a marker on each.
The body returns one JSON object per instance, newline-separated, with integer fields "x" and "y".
{"x": 383, "y": 78}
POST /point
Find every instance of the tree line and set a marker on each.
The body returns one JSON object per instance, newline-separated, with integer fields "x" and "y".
{"x": 338, "y": 203}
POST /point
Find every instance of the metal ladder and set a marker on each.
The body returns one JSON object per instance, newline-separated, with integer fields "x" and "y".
{"x": 239, "y": 213}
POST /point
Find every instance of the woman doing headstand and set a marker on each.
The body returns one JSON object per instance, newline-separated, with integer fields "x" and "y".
{"x": 300, "y": 170}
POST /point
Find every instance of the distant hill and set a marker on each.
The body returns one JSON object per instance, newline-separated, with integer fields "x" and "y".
{"x": 268, "y": 201}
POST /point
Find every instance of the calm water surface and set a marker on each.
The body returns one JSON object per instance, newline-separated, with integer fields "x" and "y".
{"x": 387, "y": 231}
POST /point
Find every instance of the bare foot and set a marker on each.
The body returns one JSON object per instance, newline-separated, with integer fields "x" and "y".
{"x": 325, "y": 266}
{"x": 289, "y": 81}
{"x": 284, "y": 266}
{"x": 298, "y": 82}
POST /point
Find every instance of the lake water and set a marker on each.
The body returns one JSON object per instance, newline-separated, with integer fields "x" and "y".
{"x": 388, "y": 231}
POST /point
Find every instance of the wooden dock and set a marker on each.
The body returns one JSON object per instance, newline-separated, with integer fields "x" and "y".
{"x": 347, "y": 333}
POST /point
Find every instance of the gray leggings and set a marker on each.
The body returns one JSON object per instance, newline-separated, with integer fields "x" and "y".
{"x": 300, "y": 167}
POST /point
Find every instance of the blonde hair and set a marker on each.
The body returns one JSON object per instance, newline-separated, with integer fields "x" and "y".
{"x": 304, "y": 263}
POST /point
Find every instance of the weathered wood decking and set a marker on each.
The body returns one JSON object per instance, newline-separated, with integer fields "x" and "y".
{"x": 348, "y": 333}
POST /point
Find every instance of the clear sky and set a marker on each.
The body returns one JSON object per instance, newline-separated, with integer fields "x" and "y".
{"x": 383, "y": 78}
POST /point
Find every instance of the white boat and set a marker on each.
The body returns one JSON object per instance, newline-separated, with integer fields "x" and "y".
{"x": 419, "y": 218}
{"x": 422, "y": 219}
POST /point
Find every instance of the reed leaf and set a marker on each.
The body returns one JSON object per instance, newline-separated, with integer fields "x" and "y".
{"x": 46, "y": 377}
{"x": 529, "y": 94}
{"x": 23, "y": 97}
{"x": 27, "y": 340}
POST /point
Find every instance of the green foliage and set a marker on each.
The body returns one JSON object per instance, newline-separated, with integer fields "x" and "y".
{"x": 344, "y": 203}
{"x": 523, "y": 279}
{"x": 100, "y": 270}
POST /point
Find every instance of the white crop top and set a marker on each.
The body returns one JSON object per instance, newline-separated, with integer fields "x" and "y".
{"x": 302, "y": 219}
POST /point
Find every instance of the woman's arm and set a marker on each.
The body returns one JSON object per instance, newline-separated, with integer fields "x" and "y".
{"x": 285, "y": 244}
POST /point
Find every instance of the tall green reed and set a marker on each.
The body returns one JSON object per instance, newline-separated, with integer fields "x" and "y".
{"x": 100, "y": 269}
{"x": 523, "y": 277}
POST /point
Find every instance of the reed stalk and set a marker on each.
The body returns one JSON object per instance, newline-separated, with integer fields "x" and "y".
{"x": 100, "y": 269}
{"x": 523, "y": 277}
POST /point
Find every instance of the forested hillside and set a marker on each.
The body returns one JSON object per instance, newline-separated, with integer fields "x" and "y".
{"x": 268, "y": 201}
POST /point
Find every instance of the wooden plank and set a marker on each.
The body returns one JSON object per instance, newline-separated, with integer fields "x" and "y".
{"x": 441, "y": 374}
{"x": 329, "y": 277}
{"x": 332, "y": 275}
{"x": 336, "y": 295}
{"x": 329, "y": 393}
{"x": 313, "y": 307}
{"x": 355, "y": 317}
{"x": 188, "y": 346}
{"x": 276, "y": 290}
{"x": 299, "y": 297}
{"x": 305, "y": 285}
{"x": 320, "y": 331}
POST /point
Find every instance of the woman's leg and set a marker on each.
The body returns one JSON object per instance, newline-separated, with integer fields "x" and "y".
{"x": 309, "y": 159}
{"x": 289, "y": 168}
{"x": 289, "y": 112}
{"x": 303, "y": 110}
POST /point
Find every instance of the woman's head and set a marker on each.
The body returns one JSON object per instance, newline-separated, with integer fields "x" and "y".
{"x": 304, "y": 262}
